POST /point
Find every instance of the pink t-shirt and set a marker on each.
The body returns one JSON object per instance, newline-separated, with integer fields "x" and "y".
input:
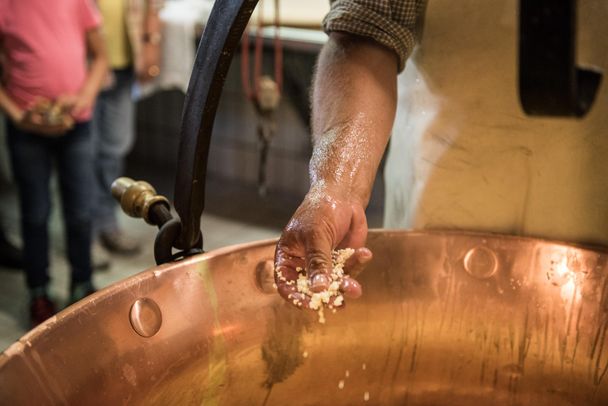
{"x": 44, "y": 44}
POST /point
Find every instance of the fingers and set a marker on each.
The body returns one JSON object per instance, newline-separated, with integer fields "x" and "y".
{"x": 290, "y": 293}
{"x": 286, "y": 274}
{"x": 60, "y": 114}
{"x": 286, "y": 279}
{"x": 357, "y": 231}
{"x": 80, "y": 105}
{"x": 318, "y": 226}
{"x": 39, "y": 104}
{"x": 77, "y": 109}
{"x": 351, "y": 288}
{"x": 48, "y": 118}
{"x": 357, "y": 262}
{"x": 354, "y": 265}
{"x": 65, "y": 102}
{"x": 318, "y": 260}
{"x": 67, "y": 122}
{"x": 34, "y": 117}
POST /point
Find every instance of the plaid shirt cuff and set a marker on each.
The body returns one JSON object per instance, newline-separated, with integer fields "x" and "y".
{"x": 350, "y": 17}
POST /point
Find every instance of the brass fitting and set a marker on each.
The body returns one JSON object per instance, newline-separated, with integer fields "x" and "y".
{"x": 137, "y": 197}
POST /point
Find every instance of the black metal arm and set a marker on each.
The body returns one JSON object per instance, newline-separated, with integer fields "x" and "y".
{"x": 220, "y": 39}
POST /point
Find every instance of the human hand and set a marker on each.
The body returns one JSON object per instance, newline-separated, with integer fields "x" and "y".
{"x": 74, "y": 105}
{"x": 327, "y": 219}
{"x": 44, "y": 118}
{"x": 150, "y": 68}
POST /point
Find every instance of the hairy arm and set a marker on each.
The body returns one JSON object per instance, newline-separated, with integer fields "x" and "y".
{"x": 354, "y": 101}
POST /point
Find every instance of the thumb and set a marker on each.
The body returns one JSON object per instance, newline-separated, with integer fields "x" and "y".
{"x": 65, "y": 102}
{"x": 318, "y": 261}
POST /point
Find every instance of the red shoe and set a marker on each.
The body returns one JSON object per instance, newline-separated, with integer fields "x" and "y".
{"x": 41, "y": 309}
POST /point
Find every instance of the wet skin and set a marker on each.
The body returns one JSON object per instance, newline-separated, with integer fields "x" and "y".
{"x": 353, "y": 108}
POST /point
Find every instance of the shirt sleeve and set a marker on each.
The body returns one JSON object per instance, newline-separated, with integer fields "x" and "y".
{"x": 3, "y": 6}
{"x": 90, "y": 17}
{"x": 392, "y": 23}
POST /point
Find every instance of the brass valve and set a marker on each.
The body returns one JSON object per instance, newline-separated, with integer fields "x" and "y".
{"x": 136, "y": 198}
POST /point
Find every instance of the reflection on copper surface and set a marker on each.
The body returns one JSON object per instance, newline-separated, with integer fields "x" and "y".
{"x": 516, "y": 322}
{"x": 227, "y": 329}
{"x": 569, "y": 291}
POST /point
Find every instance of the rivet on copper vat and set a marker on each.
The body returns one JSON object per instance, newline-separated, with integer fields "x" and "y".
{"x": 145, "y": 317}
{"x": 481, "y": 262}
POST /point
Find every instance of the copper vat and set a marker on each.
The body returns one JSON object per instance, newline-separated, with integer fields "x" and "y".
{"x": 446, "y": 319}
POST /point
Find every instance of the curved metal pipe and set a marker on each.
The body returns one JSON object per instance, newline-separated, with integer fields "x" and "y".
{"x": 222, "y": 34}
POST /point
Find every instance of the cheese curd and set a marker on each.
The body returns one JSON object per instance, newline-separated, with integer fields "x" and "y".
{"x": 330, "y": 298}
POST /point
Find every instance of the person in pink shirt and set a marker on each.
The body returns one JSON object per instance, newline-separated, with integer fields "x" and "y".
{"x": 53, "y": 63}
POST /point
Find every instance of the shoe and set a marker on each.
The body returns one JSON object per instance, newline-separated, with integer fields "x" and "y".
{"x": 100, "y": 260}
{"x": 80, "y": 291}
{"x": 41, "y": 308}
{"x": 10, "y": 255}
{"x": 118, "y": 242}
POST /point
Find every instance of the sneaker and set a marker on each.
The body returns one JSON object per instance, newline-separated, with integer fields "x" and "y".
{"x": 118, "y": 242}
{"x": 41, "y": 308}
{"x": 80, "y": 291}
{"x": 100, "y": 259}
{"x": 10, "y": 255}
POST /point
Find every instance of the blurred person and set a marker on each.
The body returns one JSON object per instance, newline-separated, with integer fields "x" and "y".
{"x": 48, "y": 91}
{"x": 132, "y": 33}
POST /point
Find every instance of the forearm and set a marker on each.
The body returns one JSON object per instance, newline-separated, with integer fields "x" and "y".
{"x": 98, "y": 65}
{"x": 152, "y": 23}
{"x": 95, "y": 76}
{"x": 9, "y": 107}
{"x": 354, "y": 101}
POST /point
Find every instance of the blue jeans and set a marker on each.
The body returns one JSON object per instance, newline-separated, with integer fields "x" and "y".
{"x": 113, "y": 135}
{"x": 33, "y": 157}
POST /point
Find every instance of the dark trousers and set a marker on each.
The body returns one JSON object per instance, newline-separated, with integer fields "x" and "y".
{"x": 33, "y": 158}
{"x": 113, "y": 137}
